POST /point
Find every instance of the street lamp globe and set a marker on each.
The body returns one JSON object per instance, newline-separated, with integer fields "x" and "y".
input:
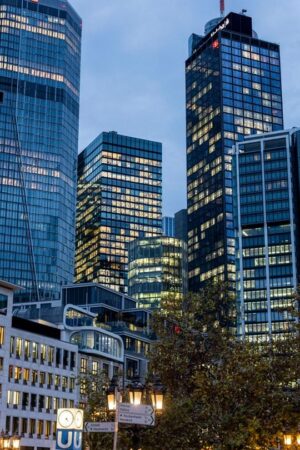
{"x": 6, "y": 442}
{"x": 288, "y": 439}
{"x": 136, "y": 390}
{"x": 158, "y": 396}
{"x": 111, "y": 394}
{"x": 16, "y": 442}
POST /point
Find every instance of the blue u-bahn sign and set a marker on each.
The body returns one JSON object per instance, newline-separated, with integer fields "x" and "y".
{"x": 68, "y": 440}
{"x": 69, "y": 429}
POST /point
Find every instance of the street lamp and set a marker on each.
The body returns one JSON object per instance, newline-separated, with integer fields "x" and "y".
{"x": 9, "y": 442}
{"x": 158, "y": 395}
{"x": 112, "y": 395}
{"x": 288, "y": 439}
{"x": 136, "y": 390}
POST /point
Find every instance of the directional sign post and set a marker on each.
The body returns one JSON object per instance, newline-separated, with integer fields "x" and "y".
{"x": 136, "y": 414}
{"x": 99, "y": 427}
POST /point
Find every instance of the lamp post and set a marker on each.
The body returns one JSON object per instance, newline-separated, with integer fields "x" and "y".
{"x": 136, "y": 392}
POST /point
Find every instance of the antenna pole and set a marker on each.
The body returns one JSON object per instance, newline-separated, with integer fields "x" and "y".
{"x": 222, "y": 7}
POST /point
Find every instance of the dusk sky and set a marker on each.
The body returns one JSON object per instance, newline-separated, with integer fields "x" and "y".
{"x": 133, "y": 56}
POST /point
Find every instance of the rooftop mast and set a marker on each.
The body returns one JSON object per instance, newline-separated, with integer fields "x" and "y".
{"x": 222, "y": 7}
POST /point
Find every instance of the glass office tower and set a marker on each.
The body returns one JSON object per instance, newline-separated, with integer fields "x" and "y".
{"x": 168, "y": 226}
{"x": 119, "y": 200}
{"x": 40, "y": 45}
{"x": 266, "y": 206}
{"x": 233, "y": 88}
{"x": 157, "y": 270}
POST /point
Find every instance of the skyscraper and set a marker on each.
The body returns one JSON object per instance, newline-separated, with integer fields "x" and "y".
{"x": 168, "y": 226}
{"x": 267, "y": 223}
{"x": 181, "y": 225}
{"x": 233, "y": 88}
{"x": 119, "y": 200}
{"x": 40, "y": 44}
{"x": 157, "y": 270}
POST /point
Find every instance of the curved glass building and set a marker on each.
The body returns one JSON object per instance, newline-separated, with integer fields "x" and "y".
{"x": 40, "y": 46}
{"x": 157, "y": 270}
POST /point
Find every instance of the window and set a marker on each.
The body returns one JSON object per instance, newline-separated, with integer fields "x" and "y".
{"x": 58, "y": 356}
{"x": 57, "y": 381}
{"x": 41, "y": 402}
{"x": 12, "y": 345}
{"x": 64, "y": 382}
{"x": 43, "y": 353}
{"x": 32, "y": 426}
{"x": 95, "y": 367}
{"x": 66, "y": 358}
{"x": 83, "y": 365}
{"x": 25, "y": 399}
{"x": 15, "y": 425}
{"x": 3, "y": 298}
{"x": 47, "y": 428}
{"x": 13, "y": 398}
{"x": 42, "y": 378}
{"x": 55, "y": 403}
{"x": 17, "y": 373}
{"x": 26, "y": 349}
{"x": 26, "y": 374}
{"x": 1, "y": 364}
{"x": 24, "y": 426}
{"x": 50, "y": 379}
{"x": 35, "y": 353}
{"x": 1, "y": 336}
{"x": 40, "y": 427}
{"x": 50, "y": 355}
{"x": 48, "y": 402}
{"x": 18, "y": 347}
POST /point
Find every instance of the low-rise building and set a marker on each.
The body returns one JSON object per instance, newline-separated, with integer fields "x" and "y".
{"x": 45, "y": 353}
{"x": 38, "y": 372}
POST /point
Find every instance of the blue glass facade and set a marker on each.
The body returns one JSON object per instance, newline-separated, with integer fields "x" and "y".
{"x": 168, "y": 226}
{"x": 266, "y": 186}
{"x": 119, "y": 200}
{"x": 40, "y": 46}
{"x": 233, "y": 88}
{"x": 157, "y": 270}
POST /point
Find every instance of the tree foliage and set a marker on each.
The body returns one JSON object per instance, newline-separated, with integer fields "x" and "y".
{"x": 223, "y": 393}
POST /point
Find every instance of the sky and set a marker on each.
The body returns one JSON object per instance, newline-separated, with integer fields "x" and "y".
{"x": 132, "y": 76}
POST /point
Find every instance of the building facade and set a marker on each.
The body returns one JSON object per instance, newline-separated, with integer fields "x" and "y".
{"x": 168, "y": 227}
{"x": 119, "y": 314}
{"x": 181, "y": 225}
{"x": 40, "y": 45}
{"x": 43, "y": 366}
{"x": 267, "y": 197}
{"x": 157, "y": 270}
{"x": 119, "y": 199}
{"x": 233, "y": 88}
{"x": 37, "y": 376}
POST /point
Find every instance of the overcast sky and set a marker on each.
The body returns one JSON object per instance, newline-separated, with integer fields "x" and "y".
{"x": 133, "y": 55}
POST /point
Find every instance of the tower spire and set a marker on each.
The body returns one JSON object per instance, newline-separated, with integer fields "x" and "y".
{"x": 222, "y": 7}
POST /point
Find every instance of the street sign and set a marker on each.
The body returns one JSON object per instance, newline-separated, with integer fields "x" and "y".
{"x": 99, "y": 427}
{"x": 136, "y": 414}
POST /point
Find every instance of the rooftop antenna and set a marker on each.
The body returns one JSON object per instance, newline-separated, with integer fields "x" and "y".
{"x": 222, "y": 7}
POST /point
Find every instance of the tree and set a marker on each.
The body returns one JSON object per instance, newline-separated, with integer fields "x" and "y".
{"x": 93, "y": 392}
{"x": 223, "y": 393}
